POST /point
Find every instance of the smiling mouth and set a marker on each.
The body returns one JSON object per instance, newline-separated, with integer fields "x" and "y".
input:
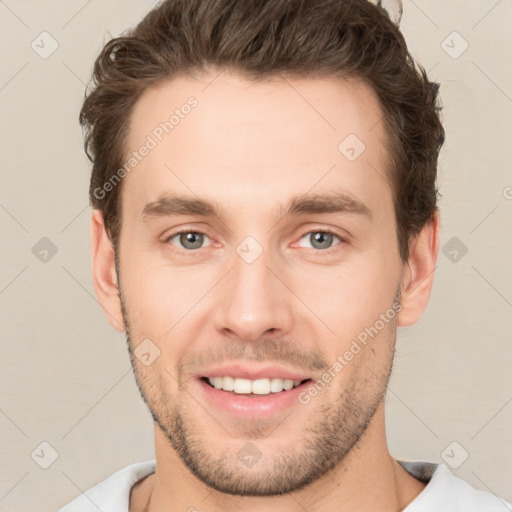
{"x": 254, "y": 388}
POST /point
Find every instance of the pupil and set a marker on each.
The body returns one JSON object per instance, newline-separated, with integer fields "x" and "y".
{"x": 324, "y": 239}
{"x": 191, "y": 238}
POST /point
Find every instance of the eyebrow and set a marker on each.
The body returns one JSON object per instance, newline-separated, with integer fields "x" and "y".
{"x": 328, "y": 202}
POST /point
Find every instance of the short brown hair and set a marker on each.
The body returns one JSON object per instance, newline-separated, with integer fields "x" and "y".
{"x": 266, "y": 38}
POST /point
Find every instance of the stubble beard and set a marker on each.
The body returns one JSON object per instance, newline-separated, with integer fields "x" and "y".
{"x": 331, "y": 432}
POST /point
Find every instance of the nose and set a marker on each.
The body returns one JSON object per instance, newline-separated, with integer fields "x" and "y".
{"x": 254, "y": 301}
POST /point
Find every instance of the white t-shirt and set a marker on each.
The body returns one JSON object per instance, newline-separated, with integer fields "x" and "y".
{"x": 444, "y": 491}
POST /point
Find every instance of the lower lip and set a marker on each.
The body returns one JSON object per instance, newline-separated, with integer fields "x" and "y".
{"x": 255, "y": 406}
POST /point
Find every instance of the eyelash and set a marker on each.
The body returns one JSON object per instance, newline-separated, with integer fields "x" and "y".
{"x": 324, "y": 251}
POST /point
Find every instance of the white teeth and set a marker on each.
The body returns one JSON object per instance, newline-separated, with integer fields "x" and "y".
{"x": 276, "y": 385}
{"x": 260, "y": 387}
{"x": 287, "y": 384}
{"x": 256, "y": 387}
{"x": 242, "y": 386}
{"x": 228, "y": 383}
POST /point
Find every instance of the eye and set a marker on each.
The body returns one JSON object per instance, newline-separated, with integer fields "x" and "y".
{"x": 189, "y": 240}
{"x": 322, "y": 239}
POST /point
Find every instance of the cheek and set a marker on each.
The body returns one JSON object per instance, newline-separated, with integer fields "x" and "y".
{"x": 352, "y": 297}
{"x": 348, "y": 296}
{"x": 160, "y": 299}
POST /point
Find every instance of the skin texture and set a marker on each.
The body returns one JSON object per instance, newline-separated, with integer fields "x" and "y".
{"x": 249, "y": 147}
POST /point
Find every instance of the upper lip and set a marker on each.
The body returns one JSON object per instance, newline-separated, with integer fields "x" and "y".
{"x": 254, "y": 372}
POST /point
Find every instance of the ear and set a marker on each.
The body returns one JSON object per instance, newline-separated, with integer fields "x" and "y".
{"x": 418, "y": 274}
{"x": 104, "y": 272}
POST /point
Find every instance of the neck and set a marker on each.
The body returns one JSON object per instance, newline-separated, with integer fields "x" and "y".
{"x": 368, "y": 478}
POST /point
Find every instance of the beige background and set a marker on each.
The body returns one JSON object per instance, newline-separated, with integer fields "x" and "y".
{"x": 65, "y": 377}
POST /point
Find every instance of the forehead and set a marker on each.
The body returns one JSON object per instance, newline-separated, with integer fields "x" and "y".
{"x": 227, "y": 138}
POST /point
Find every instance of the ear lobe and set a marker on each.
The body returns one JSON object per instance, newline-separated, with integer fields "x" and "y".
{"x": 419, "y": 273}
{"x": 104, "y": 272}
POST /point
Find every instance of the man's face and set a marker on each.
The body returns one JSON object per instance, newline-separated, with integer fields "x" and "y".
{"x": 257, "y": 292}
